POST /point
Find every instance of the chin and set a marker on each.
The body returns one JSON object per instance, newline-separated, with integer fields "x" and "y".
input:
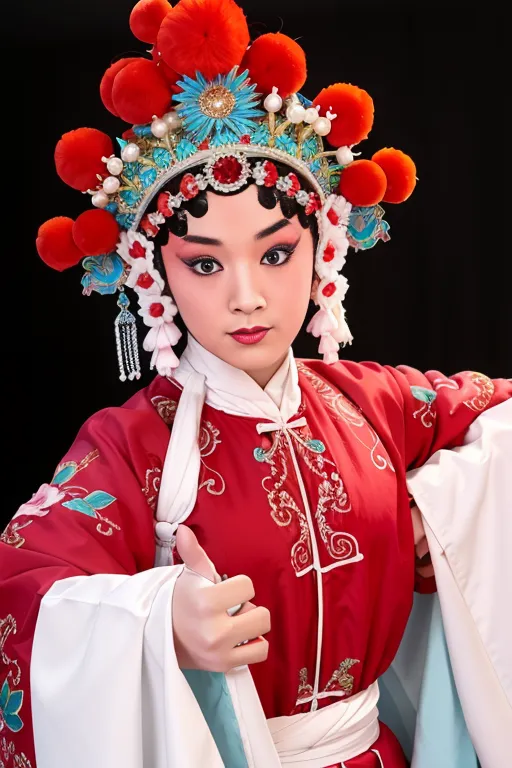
{"x": 254, "y": 357}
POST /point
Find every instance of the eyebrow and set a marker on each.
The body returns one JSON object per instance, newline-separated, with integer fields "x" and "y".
{"x": 200, "y": 240}
{"x": 272, "y": 229}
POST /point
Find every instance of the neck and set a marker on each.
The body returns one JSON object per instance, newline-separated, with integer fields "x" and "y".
{"x": 262, "y": 376}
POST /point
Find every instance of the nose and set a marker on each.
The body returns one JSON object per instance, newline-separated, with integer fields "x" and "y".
{"x": 246, "y": 295}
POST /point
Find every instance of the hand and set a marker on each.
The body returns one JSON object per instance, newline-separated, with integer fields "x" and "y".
{"x": 424, "y": 566}
{"x": 205, "y": 635}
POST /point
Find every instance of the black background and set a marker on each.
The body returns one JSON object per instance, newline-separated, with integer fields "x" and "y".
{"x": 435, "y": 297}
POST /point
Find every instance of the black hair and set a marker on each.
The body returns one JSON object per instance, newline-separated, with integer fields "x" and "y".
{"x": 268, "y": 197}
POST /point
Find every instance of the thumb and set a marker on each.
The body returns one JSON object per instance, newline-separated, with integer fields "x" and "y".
{"x": 193, "y": 555}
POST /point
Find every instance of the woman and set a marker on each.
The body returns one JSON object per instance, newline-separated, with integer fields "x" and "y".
{"x": 290, "y": 475}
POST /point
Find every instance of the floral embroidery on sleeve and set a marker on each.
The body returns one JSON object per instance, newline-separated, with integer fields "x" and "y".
{"x": 11, "y": 700}
{"x": 78, "y": 499}
{"x": 424, "y": 412}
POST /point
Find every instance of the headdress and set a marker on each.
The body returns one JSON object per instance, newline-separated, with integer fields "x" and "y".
{"x": 208, "y": 97}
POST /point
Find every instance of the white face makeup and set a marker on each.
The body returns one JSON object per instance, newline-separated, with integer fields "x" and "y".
{"x": 241, "y": 279}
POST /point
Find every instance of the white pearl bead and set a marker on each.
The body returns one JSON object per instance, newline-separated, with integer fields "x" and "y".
{"x": 273, "y": 102}
{"x": 111, "y": 185}
{"x": 311, "y": 115}
{"x": 159, "y": 128}
{"x": 295, "y": 113}
{"x": 322, "y": 126}
{"x": 115, "y": 166}
{"x": 173, "y": 120}
{"x": 344, "y": 156}
{"x": 100, "y": 199}
{"x": 130, "y": 153}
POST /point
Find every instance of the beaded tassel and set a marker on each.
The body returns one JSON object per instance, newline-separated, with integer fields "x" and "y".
{"x": 126, "y": 341}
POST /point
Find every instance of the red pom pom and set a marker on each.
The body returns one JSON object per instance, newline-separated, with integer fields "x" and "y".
{"x": 400, "y": 174}
{"x": 363, "y": 183}
{"x": 276, "y": 59}
{"x": 170, "y": 76}
{"x": 55, "y": 244}
{"x": 78, "y": 157}
{"x": 207, "y": 36}
{"x": 96, "y": 232}
{"x": 353, "y": 108}
{"x": 107, "y": 82}
{"x": 139, "y": 92}
{"x": 146, "y": 17}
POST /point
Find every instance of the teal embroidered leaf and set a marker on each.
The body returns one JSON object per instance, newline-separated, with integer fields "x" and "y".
{"x": 64, "y": 474}
{"x": 259, "y": 454}
{"x": 425, "y": 395}
{"x": 14, "y": 703}
{"x": 79, "y": 505}
{"x": 316, "y": 445}
{"x": 10, "y": 705}
{"x": 99, "y": 499}
{"x": 4, "y": 695}
{"x": 13, "y": 722}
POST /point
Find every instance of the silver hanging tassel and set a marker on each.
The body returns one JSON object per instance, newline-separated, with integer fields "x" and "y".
{"x": 126, "y": 340}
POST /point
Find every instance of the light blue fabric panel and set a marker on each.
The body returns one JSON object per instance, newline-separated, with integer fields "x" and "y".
{"x": 212, "y": 694}
{"x": 419, "y": 700}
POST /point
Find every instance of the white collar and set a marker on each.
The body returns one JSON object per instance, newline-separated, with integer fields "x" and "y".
{"x": 204, "y": 377}
{"x": 233, "y": 391}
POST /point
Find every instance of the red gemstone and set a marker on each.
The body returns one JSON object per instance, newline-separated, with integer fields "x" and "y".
{"x": 137, "y": 251}
{"x": 295, "y": 185}
{"x": 314, "y": 203}
{"x": 266, "y": 443}
{"x": 333, "y": 217}
{"x": 145, "y": 281}
{"x": 245, "y": 139}
{"x": 204, "y": 144}
{"x": 156, "y": 310}
{"x": 150, "y": 230}
{"x": 329, "y": 289}
{"x": 163, "y": 205}
{"x": 227, "y": 170}
{"x": 189, "y": 186}
{"x": 271, "y": 174}
{"x": 329, "y": 251}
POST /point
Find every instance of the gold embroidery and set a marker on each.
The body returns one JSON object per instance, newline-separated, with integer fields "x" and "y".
{"x": 341, "y": 684}
{"x": 153, "y": 479}
{"x": 12, "y": 700}
{"x": 343, "y": 409}
{"x": 305, "y": 689}
{"x": 341, "y": 680}
{"x": 11, "y": 534}
{"x": 332, "y": 497}
{"x": 7, "y": 626}
{"x": 8, "y": 751}
{"x": 208, "y": 441}
{"x": 283, "y": 506}
{"x": 485, "y": 388}
{"x": 166, "y": 408}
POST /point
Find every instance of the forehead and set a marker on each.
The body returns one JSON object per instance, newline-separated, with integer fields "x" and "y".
{"x": 234, "y": 214}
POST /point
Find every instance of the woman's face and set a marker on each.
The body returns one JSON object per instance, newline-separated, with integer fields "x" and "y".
{"x": 242, "y": 268}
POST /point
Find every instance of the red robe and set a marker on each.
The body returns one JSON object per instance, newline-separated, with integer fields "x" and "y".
{"x": 367, "y": 425}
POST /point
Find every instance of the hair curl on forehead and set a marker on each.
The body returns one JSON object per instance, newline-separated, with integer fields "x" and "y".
{"x": 268, "y": 197}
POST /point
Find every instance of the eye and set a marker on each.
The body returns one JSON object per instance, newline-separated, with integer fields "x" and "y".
{"x": 278, "y": 255}
{"x": 204, "y": 266}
